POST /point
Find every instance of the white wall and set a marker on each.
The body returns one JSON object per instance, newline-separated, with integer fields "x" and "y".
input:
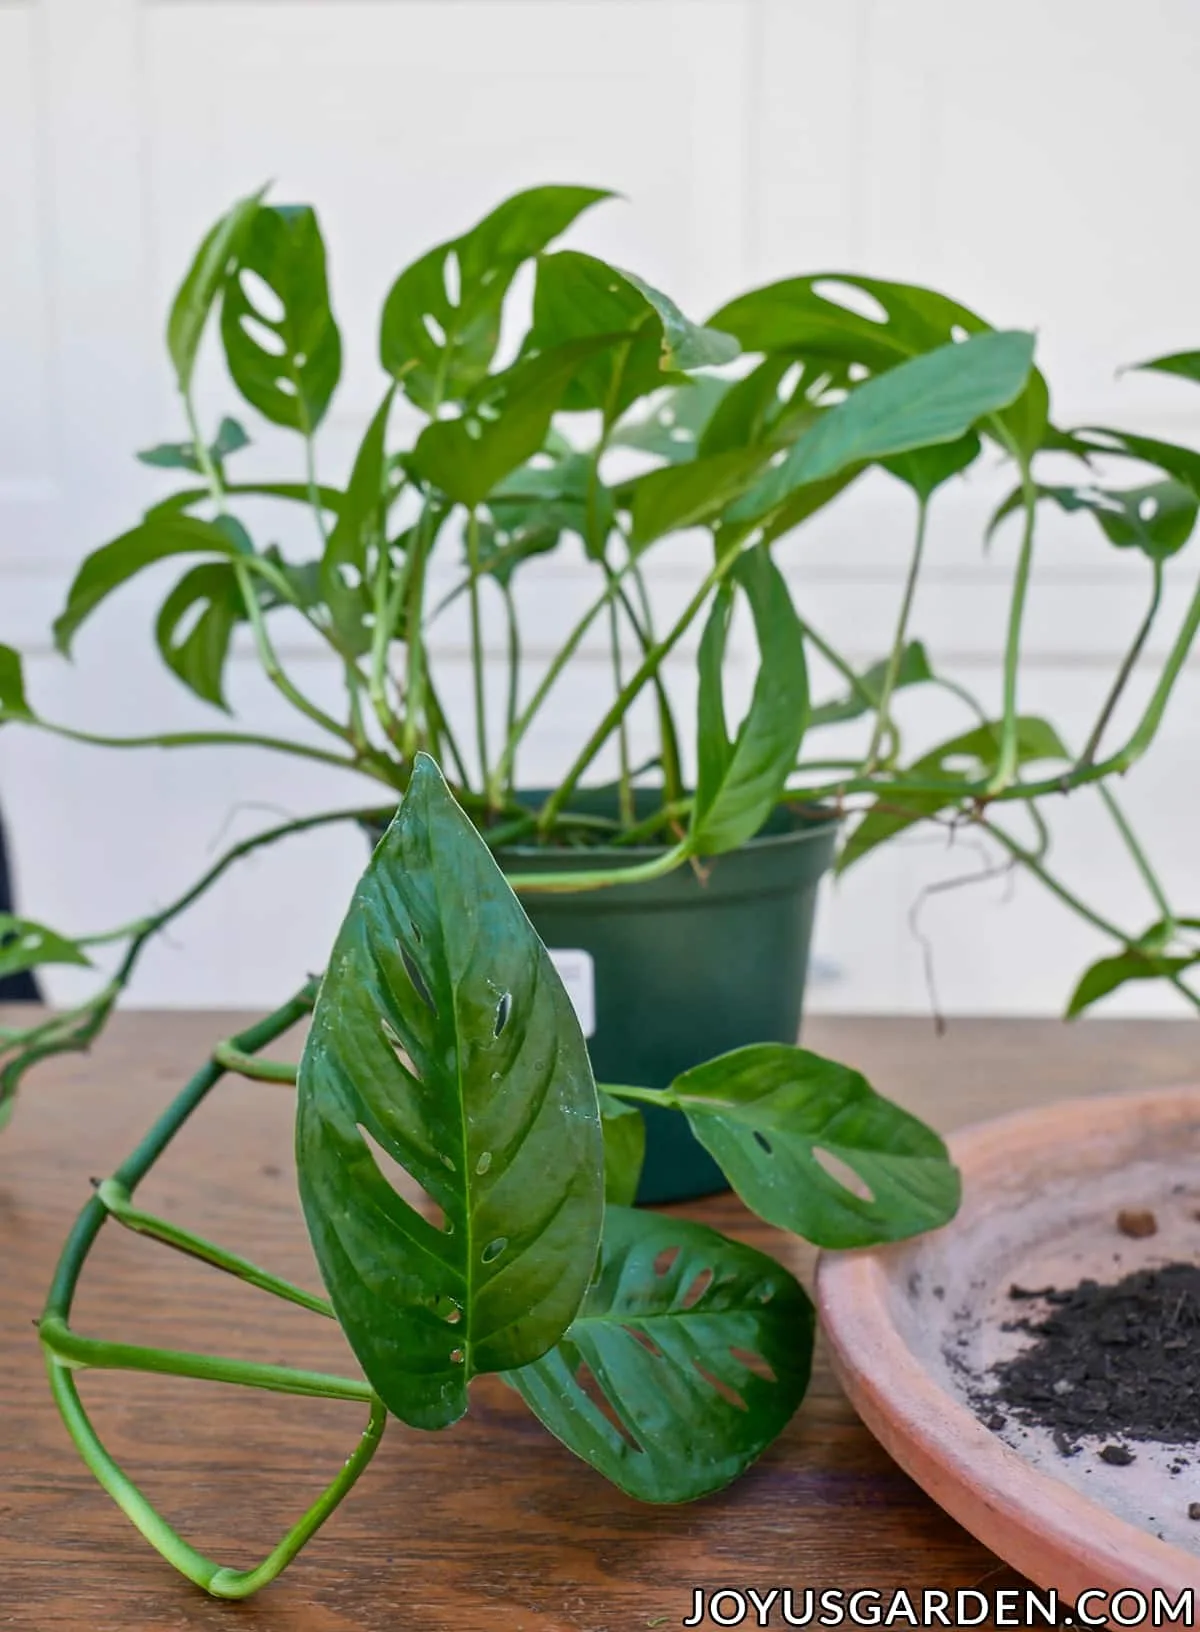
{"x": 1038, "y": 161}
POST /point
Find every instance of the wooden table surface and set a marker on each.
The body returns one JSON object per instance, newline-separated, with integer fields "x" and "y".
{"x": 491, "y": 1525}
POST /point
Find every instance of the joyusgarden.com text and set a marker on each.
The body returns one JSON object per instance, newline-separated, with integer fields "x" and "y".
{"x": 1017, "y": 1607}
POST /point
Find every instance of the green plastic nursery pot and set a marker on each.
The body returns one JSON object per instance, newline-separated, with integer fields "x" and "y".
{"x": 668, "y": 973}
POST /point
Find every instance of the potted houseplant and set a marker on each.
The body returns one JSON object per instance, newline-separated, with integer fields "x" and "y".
{"x": 442, "y": 1035}
{"x": 751, "y": 425}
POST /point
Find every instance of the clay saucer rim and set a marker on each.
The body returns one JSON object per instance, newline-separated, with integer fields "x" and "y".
{"x": 1043, "y": 1528}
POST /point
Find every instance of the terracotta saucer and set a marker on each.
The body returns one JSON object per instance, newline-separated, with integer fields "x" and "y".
{"x": 915, "y": 1328}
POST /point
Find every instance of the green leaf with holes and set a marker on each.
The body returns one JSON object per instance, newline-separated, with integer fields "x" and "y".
{"x": 534, "y": 505}
{"x": 689, "y": 495}
{"x": 441, "y": 319}
{"x": 14, "y": 705}
{"x": 281, "y": 341}
{"x": 672, "y": 429}
{"x": 624, "y": 1149}
{"x": 221, "y": 249}
{"x": 768, "y": 1112}
{"x": 1157, "y": 519}
{"x": 739, "y": 780}
{"x": 162, "y": 535}
{"x": 688, "y": 1357}
{"x": 443, "y": 1037}
{"x": 27, "y": 945}
{"x": 932, "y": 399}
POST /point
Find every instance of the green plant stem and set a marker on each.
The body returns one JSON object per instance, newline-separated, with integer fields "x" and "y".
{"x": 1140, "y": 859}
{"x": 667, "y": 732}
{"x": 1108, "y": 708}
{"x": 882, "y": 715}
{"x": 66, "y": 1352}
{"x": 1145, "y": 733}
{"x": 272, "y": 667}
{"x": 477, "y": 660}
{"x": 417, "y": 678}
{"x": 207, "y": 739}
{"x": 649, "y": 666}
{"x": 570, "y": 883}
{"x": 514, "y": 681}
{"x": 116, "y": 1200}
{"x": 1006, "y": 759}
{"x": 624, "y": 784}
{"x": 250, "y": 1065}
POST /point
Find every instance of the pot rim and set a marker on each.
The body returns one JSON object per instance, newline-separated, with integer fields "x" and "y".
{"x": 817, "y": 828}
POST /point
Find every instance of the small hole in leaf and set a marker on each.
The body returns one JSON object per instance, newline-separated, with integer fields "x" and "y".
{"x": 665, "y": 1259}
{"x": 754, "y": 1363}
{"x": 493, "y": 1249}
{"x": 791, "y": 379}
{"x": 300, "y": 359}
{"x": 1148, "y": 508}
{"x": 682, "y": 434}
{"x": 541, "y": 461}
{"x": 264, "y": 338}
{"x": 261, "y": 296}
{"x": 843, "y": 1173}
{"x": 457, "y": 1357}
{"x": 586, "y": 1380}
{"x": 647, "y": 1342}
{"x": 396, "y": 1042}
{"x": 858, "y": 371}
{"x": 452, "y": 277}
{"x": 724, "y": 1389}
{"x": 697, "y": 1289}
{"x": 503, "y": 1010}
{"x": 418, "y": 980}
{"x": 434, "y": 329}
{"x": 957, "y": 333}
{"x": 838, "y": 394}
{"x": 850, "y": 298}
{"x": 448, "y": 1308}
{"x": 285, "y": 386}
{"x": 762, "y": 1141}
{"x": 484, "y": 1162}
{"x": 397, "y": 1176}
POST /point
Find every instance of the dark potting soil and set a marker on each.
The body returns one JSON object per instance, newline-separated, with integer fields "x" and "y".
{"x": 1120, "y": 1361}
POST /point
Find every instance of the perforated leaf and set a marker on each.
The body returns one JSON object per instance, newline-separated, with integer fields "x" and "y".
{"x": 767, "y": 1112}
{"x": 193, "y": 302}
{"x": 195, "y": 626}
{"x": 442, "y": 1036}
{"x": 688, "y": 1357}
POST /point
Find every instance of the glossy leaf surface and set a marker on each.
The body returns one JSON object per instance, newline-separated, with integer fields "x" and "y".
{"x": 442, "y": 1036}
{"x": 739, "y": 780}
{"x": 281, "y": 342}
{"x": 768, "y": 1112}
{"x": 699, "y": 1348}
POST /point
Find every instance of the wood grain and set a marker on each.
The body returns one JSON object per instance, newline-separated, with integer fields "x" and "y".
{"x": 491, "y": 1525}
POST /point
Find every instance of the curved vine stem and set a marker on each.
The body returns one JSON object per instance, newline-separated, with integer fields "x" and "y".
{"x": 68, "y": 1352}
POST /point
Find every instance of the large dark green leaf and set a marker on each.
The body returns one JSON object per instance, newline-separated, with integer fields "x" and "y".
{"x": 687, "y": 495}
{"x": 689, "y": 1356}
{"x": 738, "y": 782}
{"x": 913, "y": 670}
{"x": 624, "y": 1149}
{"x": 578, "y": 296}
{"x": 766, "y": 1113}
{"x": 504, "y": 426}
{"x": 158, "y": 537}
{"x": 13, "y": 703}
{"x": 221, "y": 248}
{"x": 441, "y": 319}
{"x": 443, "y": 1035}
{"x": 286, "y": 360}
{"x": 206, "y": 604}
{"x": 26, "y": 945}
{"x": 958, "y": 762}
{"x": 932, "y": 399}
{"x": 1157, "y": 519}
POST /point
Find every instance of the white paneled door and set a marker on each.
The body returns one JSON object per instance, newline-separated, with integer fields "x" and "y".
{"x": 1038, "y": 162}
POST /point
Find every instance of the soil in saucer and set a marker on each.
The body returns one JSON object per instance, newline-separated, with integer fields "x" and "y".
{"x": 1117, "y": 1362}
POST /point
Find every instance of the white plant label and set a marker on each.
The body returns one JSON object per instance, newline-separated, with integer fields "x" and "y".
{"x": 577, "y": 971}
